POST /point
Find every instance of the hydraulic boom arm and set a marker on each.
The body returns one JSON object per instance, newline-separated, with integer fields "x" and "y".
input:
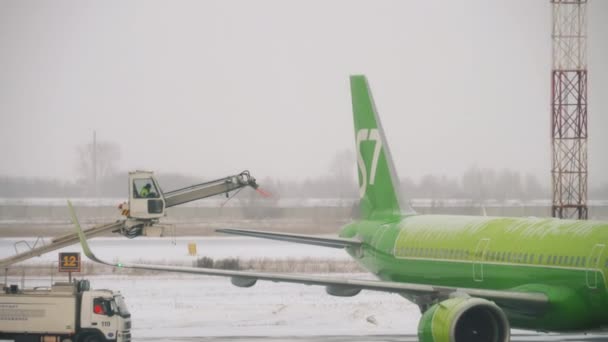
{"x": 208, "y": 189}
{"x": 135, "y": 221}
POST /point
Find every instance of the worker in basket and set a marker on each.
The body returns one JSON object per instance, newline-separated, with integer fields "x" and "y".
{"x": 145, "y": 191}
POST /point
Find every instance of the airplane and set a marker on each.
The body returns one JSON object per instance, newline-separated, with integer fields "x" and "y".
{"x": 473, "y": 277}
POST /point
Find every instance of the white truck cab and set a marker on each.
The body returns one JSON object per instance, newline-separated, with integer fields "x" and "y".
{"x": 106, "y": 313}
{"x": 146, "y": 200}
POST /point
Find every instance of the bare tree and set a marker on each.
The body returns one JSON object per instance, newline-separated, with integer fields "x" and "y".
{"x": 96, "y": 162}
{"x": 342, "y": 174}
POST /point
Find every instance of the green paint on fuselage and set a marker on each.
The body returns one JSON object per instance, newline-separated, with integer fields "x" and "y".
{"x": 567, "y": 260}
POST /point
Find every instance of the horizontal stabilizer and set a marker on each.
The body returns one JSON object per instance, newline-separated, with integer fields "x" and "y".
{"x": 297, "y": 238}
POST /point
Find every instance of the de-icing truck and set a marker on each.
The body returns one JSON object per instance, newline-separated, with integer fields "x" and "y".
{"x": 65, "y": 312}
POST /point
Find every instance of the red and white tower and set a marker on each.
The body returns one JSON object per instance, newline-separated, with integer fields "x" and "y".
{"x": 569, "y": 109}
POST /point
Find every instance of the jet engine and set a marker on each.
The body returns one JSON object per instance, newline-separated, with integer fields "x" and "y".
{"x": 464, "y": 319}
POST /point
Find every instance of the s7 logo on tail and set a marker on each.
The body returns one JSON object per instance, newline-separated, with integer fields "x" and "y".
{"x": 365, "y": 134}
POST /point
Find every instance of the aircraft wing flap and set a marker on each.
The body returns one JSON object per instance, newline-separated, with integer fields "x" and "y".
{"x": 334, "y": 242}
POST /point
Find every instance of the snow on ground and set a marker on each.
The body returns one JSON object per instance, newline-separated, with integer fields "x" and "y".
{"x": 190, "y": 306}
{"x": 176, "y": 250}
{"x": 176, "y": 305}
{"x": 172, "y": 307}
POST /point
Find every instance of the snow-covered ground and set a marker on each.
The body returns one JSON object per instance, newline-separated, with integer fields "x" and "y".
{"x": 173, "y": 307}
{"x": 169, "y": 249}
{"x": 182, "y": 306}
{"x": 190, "y": 306}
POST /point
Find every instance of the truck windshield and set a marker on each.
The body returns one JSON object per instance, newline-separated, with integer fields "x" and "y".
{"x": 122, "y": 307}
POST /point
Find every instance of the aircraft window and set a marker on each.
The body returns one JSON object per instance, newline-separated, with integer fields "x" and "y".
{"x": 540, "y": 259}
{"x": 509, "y": 257}
{"x": 531, "y": 259}
{"x": 606, "y": 264}
{"x": 583, "y": 261}
{"x": 525, "y": 258}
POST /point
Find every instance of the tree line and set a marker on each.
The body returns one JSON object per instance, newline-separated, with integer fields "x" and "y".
{"x": 99, "y": 177}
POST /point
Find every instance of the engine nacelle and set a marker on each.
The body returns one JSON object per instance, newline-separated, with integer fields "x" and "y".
{"x": 243, "y": 282}
{"x": 464, "y": 319}
{"x": 342, "y": 291}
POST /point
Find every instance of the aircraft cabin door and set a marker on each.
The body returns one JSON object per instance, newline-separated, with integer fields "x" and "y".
{"x": 479, "y": 258}
{"x": 593, "y": 265}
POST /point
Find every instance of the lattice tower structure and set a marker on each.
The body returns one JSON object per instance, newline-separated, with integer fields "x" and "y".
{"x": 569, "y": 109}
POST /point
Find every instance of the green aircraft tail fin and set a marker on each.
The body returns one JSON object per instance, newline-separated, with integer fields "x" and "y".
{"x": 378, "y": 181}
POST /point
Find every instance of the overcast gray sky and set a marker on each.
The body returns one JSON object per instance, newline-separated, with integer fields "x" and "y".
{"x": 213, "y": 87}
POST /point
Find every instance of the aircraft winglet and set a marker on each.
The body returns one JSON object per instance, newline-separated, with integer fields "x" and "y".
{"x": 83, "y": 239}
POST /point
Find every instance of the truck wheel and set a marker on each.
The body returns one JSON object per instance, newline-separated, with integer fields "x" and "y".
{"x": 91, "y": 338}
{"x": 67, "y": 340}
